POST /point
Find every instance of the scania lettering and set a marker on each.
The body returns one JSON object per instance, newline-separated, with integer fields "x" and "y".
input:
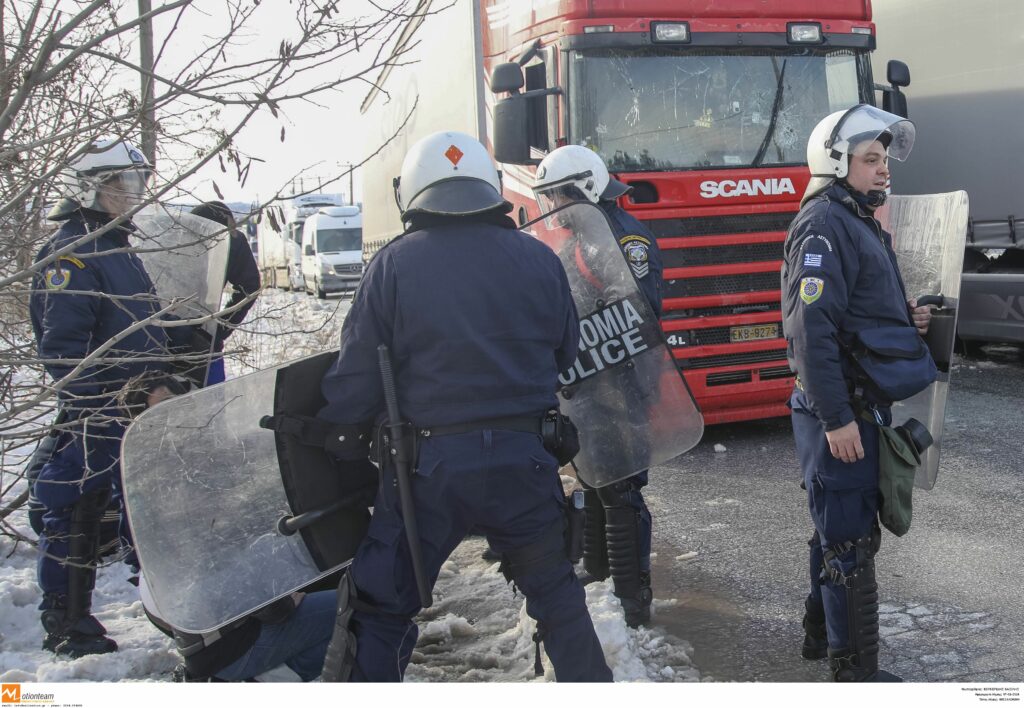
{"x": 704, "y": 108}
{"x": 746, "y": 188}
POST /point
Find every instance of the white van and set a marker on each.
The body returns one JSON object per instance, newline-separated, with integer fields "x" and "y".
{"x": 332, "y": 250}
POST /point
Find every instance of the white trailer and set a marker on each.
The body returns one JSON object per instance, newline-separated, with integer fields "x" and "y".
{"x": 438, "y": 84}
{"x": 279, "y": 253}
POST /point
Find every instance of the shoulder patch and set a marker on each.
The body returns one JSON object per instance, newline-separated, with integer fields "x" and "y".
{"x": 635, "y": 249}
{"x": 817, "y": 240}
{"x": 811, "y": 289}
{"x": 56, "y": 278}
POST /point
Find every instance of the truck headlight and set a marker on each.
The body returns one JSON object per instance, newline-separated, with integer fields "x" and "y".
{"x": 670, "y": 31}
{"x": 325, "y": 269}
{"x": 804, "y": 33}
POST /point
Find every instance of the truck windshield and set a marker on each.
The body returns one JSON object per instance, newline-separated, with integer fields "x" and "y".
{"x": 667, "y": 109}
{"x": 336, "y": 240}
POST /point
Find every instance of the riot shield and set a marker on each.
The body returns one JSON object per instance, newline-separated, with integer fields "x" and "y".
{"x": 207, "y": 491}
{"x": 186, "y": 258}
{"x": 624, "y": 392}
{"x": 929, "y": 232}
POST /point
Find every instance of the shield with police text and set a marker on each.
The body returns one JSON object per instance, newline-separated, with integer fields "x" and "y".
{"x": 929, "y": 232}
{"x": 186, "y": 258}
{"x": 228, "y": 516}
{"x": 624, "y": 392}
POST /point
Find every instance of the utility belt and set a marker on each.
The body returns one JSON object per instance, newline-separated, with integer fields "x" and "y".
{"x": 557, "y": 432}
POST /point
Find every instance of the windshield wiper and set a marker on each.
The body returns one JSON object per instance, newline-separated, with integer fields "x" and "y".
{"x": 770, "y": 133}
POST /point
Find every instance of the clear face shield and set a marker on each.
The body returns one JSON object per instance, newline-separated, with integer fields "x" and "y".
{"x": 123, "y": 190}
{"x": 552, "y": 196}
{"x": 865, "y": 124}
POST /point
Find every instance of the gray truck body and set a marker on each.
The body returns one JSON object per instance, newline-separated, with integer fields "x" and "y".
{"x": 967, "y": 100}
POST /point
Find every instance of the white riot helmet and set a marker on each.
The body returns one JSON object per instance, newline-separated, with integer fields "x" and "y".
{"x": 570, "y": 174}
{"x": 841, "y": 134}
{"x": 448, "y": 174}
{"x": 109, "y": 164}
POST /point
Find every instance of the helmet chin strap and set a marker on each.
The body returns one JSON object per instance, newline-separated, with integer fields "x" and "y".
{"x": 872, "y": 200}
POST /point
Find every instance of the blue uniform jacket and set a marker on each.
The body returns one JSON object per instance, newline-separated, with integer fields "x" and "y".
{"x": 75, "y": 308}
{"x": 479, "y": 320}
{"x": 839, "y": 277}
{"x": 641, "y": 251}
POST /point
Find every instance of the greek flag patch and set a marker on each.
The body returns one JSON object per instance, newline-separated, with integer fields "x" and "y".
{"x": 812, "y": 260}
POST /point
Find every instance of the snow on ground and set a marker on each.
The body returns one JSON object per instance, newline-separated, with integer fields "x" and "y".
{"x": 477, "y": 630}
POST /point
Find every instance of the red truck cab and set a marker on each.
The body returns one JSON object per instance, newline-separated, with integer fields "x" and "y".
{"x": 704, "y": 107}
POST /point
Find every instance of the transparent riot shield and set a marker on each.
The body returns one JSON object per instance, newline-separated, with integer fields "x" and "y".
{"x": 929, "y": 232}
{"x": 205, "y": 498}
{"x": 186, "y": 258}
{"x": 624, "y": 392}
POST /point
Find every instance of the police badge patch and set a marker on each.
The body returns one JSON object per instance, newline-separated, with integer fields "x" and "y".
{"x": 810, "y": 289}
{"x": 56, "y": 278}
{"x": 635, "y": 248}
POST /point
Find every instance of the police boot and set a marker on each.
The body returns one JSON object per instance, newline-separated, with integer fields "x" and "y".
{"x": 71, "y": 635}
{"x": 595, "y": 541}
{"x": 631, "y": 587}
{"x": 71, "y": 628}
{"x": 815, "y": 634}
{"x": 860, "y": 662}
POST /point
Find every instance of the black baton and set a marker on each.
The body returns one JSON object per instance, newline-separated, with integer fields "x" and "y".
{"x": 400, "y": 456}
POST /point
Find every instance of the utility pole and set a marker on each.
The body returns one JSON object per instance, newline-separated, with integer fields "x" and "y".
{"x": 351, "y": 194}
{"x": 148, "y": 113}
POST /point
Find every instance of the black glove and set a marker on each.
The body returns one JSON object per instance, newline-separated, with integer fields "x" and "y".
{"x": 134, "y": 397}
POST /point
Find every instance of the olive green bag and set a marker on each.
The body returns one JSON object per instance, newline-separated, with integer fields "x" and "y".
{"x": 898, "y": 461}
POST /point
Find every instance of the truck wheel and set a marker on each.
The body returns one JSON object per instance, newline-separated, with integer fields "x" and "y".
{"x": 320, "y": 292}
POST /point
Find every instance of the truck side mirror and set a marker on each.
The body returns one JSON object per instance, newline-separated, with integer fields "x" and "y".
{"x": 893, "y": 100}
{"x": 895, "y": 103}
{"x": 507, "y": 78}
{"x": 511, "y": 140}
{"x": 897, "y": 73}
{"x": 308, "y": 250}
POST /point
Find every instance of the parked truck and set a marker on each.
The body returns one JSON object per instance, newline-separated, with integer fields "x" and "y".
{"x": 967, "y": 102}
{"x": 704, "y": 108}
{"x": 279, "y": 239}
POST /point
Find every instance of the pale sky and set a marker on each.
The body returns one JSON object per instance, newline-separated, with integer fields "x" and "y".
{"x": 318, "y": 138}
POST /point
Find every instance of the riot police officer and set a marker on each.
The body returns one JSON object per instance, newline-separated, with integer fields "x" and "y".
{"x": 84, "y": 298}
{"x": 840, "y": 277}
{"x": 242, "y": 274}
{"x": 617, "y": 539}
{"x": 479, "y": 319}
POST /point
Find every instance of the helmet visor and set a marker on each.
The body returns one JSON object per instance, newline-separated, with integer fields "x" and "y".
{"x": 130, "y": 184}
{"x": 864, "y": 125}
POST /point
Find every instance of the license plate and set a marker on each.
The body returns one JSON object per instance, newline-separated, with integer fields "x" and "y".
{"x": 750, "y": 333}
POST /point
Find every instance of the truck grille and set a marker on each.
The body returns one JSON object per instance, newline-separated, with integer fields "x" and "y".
{"x": 708, "y": 362}
{"x": 715, "y": 255}
{"x": 734, "y": 251}
{"x": 721, "y": 284}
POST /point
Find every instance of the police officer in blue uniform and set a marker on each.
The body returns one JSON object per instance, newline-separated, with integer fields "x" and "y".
{"x": 243, "y": 275}
{"x": 840, "y": 277}
{"x": 479, "y": 321}
{"x": 84, "y": 297}
{"x": 617, "y": 540}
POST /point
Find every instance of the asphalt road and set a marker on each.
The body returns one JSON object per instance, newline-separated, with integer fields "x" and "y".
{"x": 952, "y": 590}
